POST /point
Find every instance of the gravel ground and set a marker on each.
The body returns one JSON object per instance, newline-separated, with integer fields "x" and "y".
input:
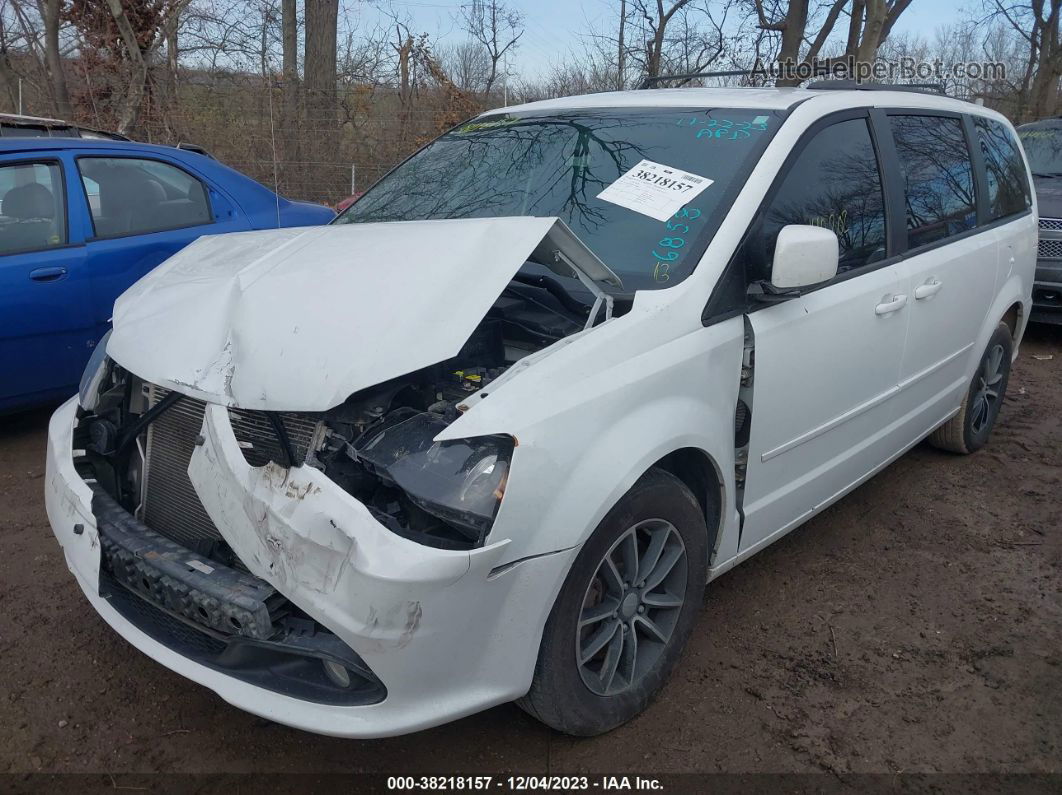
{"x": 915, "y": 626}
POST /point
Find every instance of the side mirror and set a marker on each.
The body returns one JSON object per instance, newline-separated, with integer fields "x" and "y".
{"x": 804, "y": 255}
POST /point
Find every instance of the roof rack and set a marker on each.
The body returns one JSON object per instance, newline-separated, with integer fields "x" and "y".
{"x": 855, "y": 85}
{"x": 818, "y": 85}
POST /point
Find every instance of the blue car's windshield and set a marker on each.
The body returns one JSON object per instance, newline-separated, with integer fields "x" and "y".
{"x": 556, "y": 165}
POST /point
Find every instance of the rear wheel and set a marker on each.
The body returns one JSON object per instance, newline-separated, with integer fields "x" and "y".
{"x": 625, "y": 612}
{"x": 969, "y": 430}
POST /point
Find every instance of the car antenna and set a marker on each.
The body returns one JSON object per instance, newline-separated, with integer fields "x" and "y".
{"x": 273, "y": 146}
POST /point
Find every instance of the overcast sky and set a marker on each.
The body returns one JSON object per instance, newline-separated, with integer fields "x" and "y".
{"x": 554, "y": 27}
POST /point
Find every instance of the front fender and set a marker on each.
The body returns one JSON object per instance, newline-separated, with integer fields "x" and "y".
{"x": 581, "y": 450}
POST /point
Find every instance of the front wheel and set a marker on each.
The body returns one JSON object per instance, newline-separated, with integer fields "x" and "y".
{"x": 625, "y": 611}
{"x": 968, "y": 431}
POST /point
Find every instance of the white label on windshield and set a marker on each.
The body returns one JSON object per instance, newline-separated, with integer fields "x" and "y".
{"x": 654, "y": 189}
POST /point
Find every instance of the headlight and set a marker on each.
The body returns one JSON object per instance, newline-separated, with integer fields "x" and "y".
{"x": 461, "y": 481}
{"x": 95, "y": 371}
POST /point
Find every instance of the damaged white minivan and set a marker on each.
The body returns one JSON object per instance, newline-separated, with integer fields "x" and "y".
{"x": 488, "y": 436}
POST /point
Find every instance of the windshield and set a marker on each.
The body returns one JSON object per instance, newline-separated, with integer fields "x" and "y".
{"x": 504, "y": 165}
{"x": 1043, "y": 147}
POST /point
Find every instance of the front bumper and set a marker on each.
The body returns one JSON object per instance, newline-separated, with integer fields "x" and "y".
{"x": 448, "y": 633}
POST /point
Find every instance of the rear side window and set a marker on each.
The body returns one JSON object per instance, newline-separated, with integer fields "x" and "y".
{"x": 937, "y": 176}
{"x": 1008, "y": 187}
{"x": 834, "y": 183}
{"x": 132, "y": 196}
{"x": 32, "y": 211}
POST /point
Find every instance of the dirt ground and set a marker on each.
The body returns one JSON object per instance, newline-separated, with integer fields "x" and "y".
{"x": 915, "y": 626}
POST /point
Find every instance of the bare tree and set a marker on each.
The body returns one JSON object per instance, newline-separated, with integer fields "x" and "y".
{"x": 1037, "y": 23}
{"x": 50, "y": 11}
{"x": 290, "y": 41}
{"x": 290, "y": 84}
{"x": 650, "y": 38}
{"x": 497, "y": 27}
{"x": 8, "y": 76}
{"x": 878, "y": 18}
{"x": 656, "y": 18}
{"x": 870, "y": 22}
{"x": 403, "y": 47}
{"x": 468, "y": 65}
{"x": 319, "y": 61}
{"x": 139, "y": 46}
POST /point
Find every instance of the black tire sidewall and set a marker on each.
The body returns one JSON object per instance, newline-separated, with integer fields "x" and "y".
{"x": 657, "y": 495}
{"x": 973, "y": 440}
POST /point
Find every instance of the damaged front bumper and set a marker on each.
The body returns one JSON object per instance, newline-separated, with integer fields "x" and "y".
{"x": 445, "y": 633}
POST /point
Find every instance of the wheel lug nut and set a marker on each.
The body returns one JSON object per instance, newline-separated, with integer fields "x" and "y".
{"x": 641, "y": 608}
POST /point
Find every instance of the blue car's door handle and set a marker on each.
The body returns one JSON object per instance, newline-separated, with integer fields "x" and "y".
{"x": 48, "y": 274}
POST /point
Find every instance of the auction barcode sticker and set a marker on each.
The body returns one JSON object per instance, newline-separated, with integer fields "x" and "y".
{"x": 654, "y": 189}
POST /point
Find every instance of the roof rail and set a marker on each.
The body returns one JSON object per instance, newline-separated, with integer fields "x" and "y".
{"x": 818, "y": 85}
{"x": 855, "y": 85}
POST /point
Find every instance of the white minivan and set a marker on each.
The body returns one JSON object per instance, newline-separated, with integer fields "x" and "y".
{"x": 488, "y": 436}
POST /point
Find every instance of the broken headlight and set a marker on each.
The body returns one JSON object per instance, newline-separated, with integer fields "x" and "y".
{"x": 95, "y": 371}
{"x": 460, "y": 481}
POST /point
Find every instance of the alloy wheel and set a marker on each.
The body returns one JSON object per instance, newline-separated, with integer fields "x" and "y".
{"x": 631, "y": 607}
{"x": 986, "y": 399}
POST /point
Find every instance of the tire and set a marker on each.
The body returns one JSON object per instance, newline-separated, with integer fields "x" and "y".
{"x": 968, "y": 431}
{"x": 664, "y": 518}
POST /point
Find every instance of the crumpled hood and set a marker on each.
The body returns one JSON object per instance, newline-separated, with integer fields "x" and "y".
{"x": 299, "y": 319}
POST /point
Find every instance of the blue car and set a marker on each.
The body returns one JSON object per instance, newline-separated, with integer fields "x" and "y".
{"x": 80, "y": 221}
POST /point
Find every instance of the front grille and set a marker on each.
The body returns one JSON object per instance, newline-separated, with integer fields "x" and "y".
{"x": 171, "y": 505}
{"x": 1049, "y": 249}
{"x": 1051, "y": 224}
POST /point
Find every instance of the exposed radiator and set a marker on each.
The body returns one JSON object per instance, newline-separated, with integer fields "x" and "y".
{"x": 171, "y": 505}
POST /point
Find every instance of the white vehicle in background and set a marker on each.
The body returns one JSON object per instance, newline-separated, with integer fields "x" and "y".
{"x": 489, "y": 435}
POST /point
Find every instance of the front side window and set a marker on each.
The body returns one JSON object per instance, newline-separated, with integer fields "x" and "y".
{"x": 32, "y": 211}
{"x": 937, "y": 177}
{"x": 1008, "y": 188}
{"x": 557, "y": 165}
{"x": 132, "y": 196}
{"x": 833, "y": 182}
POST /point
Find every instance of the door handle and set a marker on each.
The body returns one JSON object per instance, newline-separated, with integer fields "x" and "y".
{"x": 890, "y": 304}
{"x": 48, "y": 274}
{"x": 931, "y": 287}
